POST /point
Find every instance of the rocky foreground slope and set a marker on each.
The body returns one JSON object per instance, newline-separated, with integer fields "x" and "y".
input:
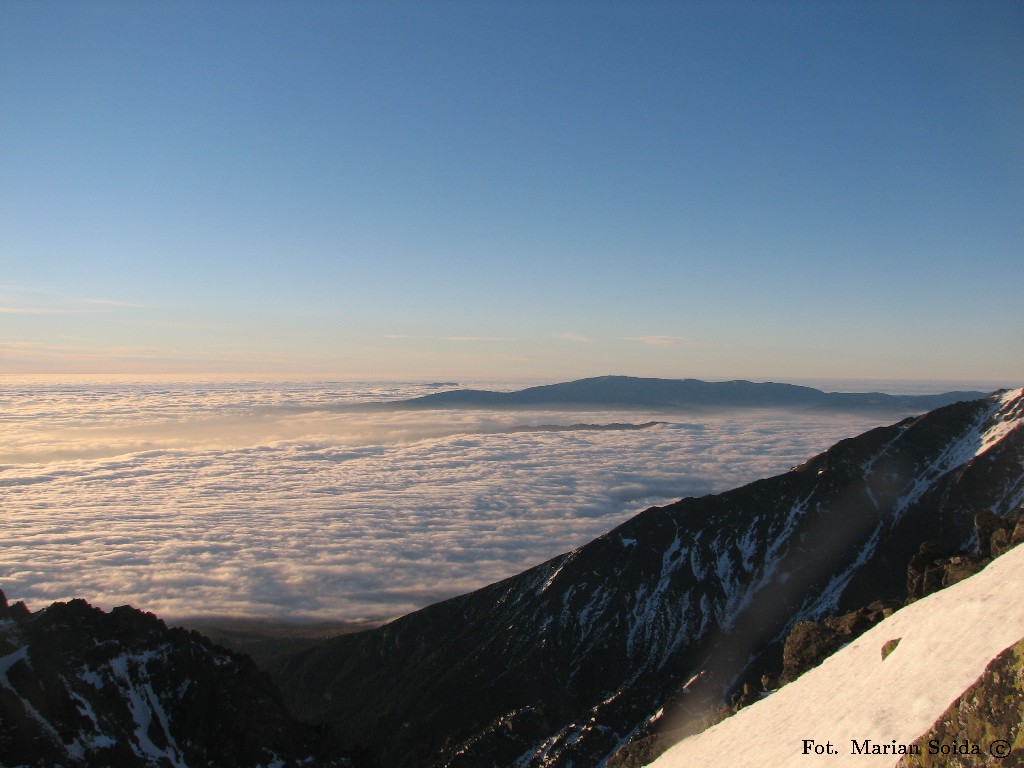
{"x": 81, "y": 687}
{"x": 647, "y": 626}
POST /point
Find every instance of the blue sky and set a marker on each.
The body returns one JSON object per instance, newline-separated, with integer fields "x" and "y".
{"x": 761, "y": 190}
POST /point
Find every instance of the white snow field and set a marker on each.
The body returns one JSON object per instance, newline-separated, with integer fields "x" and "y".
{"x": 947, "y": 639}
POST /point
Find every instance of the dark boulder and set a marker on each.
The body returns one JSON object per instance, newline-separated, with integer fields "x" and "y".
{"x": 927, "y": 571}
{"x": 986, "y": 525}
{"x": 809, "y": 643}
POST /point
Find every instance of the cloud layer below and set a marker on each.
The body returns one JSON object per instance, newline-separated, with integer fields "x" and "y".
{"x": 256, "y": 499}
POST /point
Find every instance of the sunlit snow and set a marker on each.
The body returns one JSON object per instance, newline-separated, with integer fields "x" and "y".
{"x": 946, "y": 640}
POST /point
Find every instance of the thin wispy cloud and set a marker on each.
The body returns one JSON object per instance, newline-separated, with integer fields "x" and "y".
{"x": 17, "y": 354}
{"x": 23, "y": 288}
{"x": 454, "y": 338}
{"x": 76, "y": 350}
{"x": 113, "y": 304}
{"x": 659, "y": 341}
{"x": 8, "y": 310}
{"x": 477, "y": 338}
{"x": 579, "y": 337}
{"x": 32, "y": 300}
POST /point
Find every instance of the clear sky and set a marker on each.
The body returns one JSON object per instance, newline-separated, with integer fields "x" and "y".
{"x": 782, "y": 190}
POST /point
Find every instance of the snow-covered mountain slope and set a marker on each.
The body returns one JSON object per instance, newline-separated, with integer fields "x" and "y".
{"x": 568, "y": 662}
{"x": 80, "y": 687}
{"x": 856, "y": 699}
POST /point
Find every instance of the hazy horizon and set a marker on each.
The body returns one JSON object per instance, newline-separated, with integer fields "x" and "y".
{"x": 907, "y": 386}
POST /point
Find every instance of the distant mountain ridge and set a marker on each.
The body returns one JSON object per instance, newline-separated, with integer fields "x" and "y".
{"x": 569, "y": 661}
{"x": 676, "y": 394}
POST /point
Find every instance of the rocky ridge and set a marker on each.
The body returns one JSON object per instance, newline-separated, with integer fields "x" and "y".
{"x": 81, "y": 687}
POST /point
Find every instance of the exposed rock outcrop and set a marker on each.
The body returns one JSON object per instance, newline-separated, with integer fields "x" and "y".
{"x": 81, "y": 687}
{"x": 938, "y": 565}
{"x": 984, "y": 727}
{"x": 809, "y": 642}
{"x": 934, "y": 567}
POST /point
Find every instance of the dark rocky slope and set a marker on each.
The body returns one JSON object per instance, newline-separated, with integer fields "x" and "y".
{"x": 81, "y": 687}
{"x": 934, "y": 567}
{"x": 649, "y": 624}
{"x": 809, "y": 643}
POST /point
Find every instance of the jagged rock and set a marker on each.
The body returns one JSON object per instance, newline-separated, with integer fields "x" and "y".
{"x": 1010, "y": 534}
{"x": 747, "y": 696}
{"x": 986, "y": 525}
{"x": 7, "y": 611}
{"x": 961, "y": 567}
{"x": 997, "y": 534}
{"x": 989, "y": 715}
{"x": 855, "y": 622}
{"x": 81, "y": 687}
{"x": 1018, "y": 533}
{"x": 809, "y": 643}
{"x": 1001, "y": 542}
{"x": 937, "y": 565}
{"x": 923, "y": 575}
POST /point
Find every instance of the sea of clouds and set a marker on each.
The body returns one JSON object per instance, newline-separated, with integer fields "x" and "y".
{"x": 220, "y": 498}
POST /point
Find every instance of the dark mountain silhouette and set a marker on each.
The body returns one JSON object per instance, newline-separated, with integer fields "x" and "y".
{"x": 81, "y": 687}
{"x": 662, "y": 617}
{"x": 672, "y": 394}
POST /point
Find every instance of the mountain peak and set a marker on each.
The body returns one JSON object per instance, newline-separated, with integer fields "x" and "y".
{"x": 84, "y": 687}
